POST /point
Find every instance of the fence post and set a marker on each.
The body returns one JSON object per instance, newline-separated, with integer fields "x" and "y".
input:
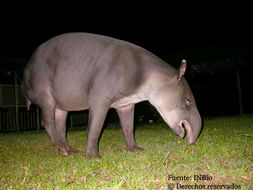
{"x": 16, "y": 100}
{"x": 21, "y": 120}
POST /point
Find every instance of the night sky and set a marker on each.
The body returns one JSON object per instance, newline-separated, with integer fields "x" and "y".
{"x": 209, "y": 32}
{"x": 161, "y": 30}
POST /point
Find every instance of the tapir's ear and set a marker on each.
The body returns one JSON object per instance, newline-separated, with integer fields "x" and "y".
{"x": 181, "y": 70}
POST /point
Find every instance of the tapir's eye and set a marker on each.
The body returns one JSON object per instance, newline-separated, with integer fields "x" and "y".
{"x": 187, "y": 102}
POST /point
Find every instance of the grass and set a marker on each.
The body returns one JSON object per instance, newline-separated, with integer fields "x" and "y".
{"x": 224, "y": 152}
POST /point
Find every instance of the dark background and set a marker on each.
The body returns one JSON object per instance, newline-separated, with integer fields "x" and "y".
{"x": 214, "y": 39}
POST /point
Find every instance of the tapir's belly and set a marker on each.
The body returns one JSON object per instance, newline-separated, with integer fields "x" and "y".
{"x": 72, "y": 103}
{"x": 70, "y": 97}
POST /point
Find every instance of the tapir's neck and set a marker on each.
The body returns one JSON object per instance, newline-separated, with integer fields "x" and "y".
{"x": 157, "y": 73}
{"x": 157, "y": 82}
{"x": 142, "y": 94}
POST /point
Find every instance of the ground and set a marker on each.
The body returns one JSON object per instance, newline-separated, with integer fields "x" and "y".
{"x": 221, "y": 158}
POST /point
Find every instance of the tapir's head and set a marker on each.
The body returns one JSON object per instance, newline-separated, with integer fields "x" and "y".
{"x": 174, "y": 101}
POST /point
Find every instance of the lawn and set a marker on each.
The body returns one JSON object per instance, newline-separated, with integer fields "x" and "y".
{"x": 222, "y": 158}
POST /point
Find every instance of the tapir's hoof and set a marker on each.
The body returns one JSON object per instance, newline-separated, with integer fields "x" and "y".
{"x": 65, "y": 149}
{"x": 92, "y": 154}
{"x": 135, "y": 149}
{"x": 74, "y": 151}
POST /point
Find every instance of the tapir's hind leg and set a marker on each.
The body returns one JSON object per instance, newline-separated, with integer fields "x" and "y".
{"x": 48, "y": 121}
{"x": 126, "y": 115}
{"x": 60, "y": 123}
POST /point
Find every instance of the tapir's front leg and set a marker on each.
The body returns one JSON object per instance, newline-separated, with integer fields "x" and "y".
{"x": 126, "y": 115}
{"x": 97, "y": 114}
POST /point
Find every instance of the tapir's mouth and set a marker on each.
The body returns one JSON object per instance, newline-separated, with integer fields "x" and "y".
{"x": 186, "y": 125}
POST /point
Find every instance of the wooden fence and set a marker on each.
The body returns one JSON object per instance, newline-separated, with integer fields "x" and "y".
{"x": 31, "y": 121}
{"x": 77, "y": 119}
{"x": 27, "y": 121}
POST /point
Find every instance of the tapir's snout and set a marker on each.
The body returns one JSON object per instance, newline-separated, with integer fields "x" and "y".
{"x": 179, "y": 130}
{"x": 193, "y": 128}
{"x": 191, "y": 136}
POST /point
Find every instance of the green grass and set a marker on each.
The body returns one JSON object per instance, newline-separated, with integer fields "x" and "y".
{"x": 224, "y": 152}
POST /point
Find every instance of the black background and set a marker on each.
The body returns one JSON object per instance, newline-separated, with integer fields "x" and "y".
{"x": 199, "y": 33}
{"x": 160, "y": 29}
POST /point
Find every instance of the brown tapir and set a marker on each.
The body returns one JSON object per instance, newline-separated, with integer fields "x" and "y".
{"x": 78, "y": 71}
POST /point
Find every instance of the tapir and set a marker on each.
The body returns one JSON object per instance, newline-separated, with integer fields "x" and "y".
{"x": 79, "y": 71}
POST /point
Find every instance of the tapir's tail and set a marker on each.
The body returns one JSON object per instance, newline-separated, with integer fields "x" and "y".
{"x": 28, "y": 103}
{"x": 24, "y": 92}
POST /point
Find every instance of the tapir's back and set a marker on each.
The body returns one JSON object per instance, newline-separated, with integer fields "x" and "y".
{"x": 89, "y": 51}
{"x": 83, "y": 44}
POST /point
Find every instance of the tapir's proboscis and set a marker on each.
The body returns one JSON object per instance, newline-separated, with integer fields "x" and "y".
{"x": 79, "y": 71}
